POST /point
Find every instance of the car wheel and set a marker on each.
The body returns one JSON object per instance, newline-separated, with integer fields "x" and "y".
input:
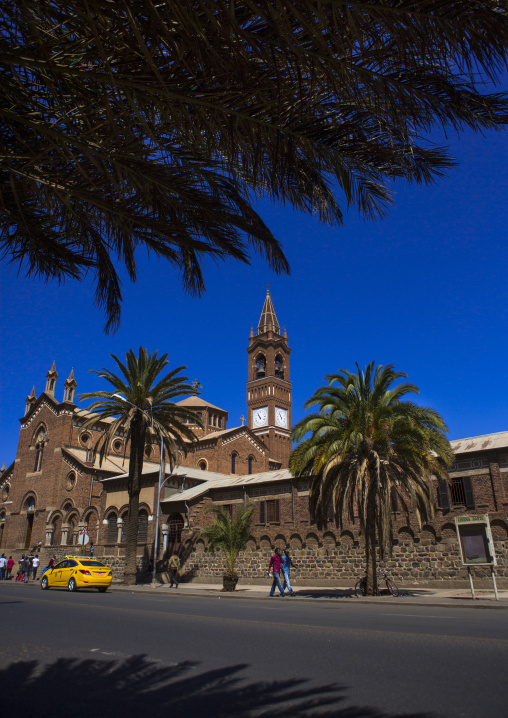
{"x": 103, "y": 589}
{"x": 73, "y": 586}
{"x": 44, "y": 583}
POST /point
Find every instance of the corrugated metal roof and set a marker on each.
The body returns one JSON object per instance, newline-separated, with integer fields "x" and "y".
{"x": 231, "y": 481}
{"x": 481, "y": 443}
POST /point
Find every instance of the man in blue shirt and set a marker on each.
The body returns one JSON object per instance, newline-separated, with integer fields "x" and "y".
{"x": 286, "y": 567}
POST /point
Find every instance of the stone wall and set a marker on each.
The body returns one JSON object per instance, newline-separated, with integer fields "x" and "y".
{"x": 429, "y": 563}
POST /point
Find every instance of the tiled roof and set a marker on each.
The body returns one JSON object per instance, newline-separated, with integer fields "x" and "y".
{"x": 196, "y": 401}
{"x": 481, "y": 443}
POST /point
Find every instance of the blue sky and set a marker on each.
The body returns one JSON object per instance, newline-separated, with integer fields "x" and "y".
{"x": 425, "y": 289}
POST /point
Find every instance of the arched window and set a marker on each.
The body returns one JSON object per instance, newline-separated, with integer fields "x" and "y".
{"x": 260, "y": 370}
{"x": 251, "y": 464}
{"x": 279, "y": 366}
{"x": 234, "y": 456}
{"x": 56, "y": 536}
{"x": 112, "y": 536}
{"x": 70, "y": 482}
{"x": 175, "y": 526}
{"x": 202, "y": 465}
{"x": 143, "y": 527}
{"x": 67, "y": 507}
{"x": 71, "y": 534}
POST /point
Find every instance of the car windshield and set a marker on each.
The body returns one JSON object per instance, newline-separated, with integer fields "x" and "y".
{"x": 93, "y": 563}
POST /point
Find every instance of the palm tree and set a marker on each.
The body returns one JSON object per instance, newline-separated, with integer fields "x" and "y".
{"x": 144, "y": 412}
{"x": 366, "y": 446}
{"x": 159, "y": 124}
{"x": 229, "y": 535}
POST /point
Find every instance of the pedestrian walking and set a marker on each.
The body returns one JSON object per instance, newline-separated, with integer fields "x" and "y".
{"x": 10, "y": 564}
{"x": 27, "y": 567}
{"x": 174, "y": 567}
{"x": 35, "y": 566}
{"x": 274, "y": 567}
{"x": 92, "y": 548}
{"x": 287, "y": 562}
{"x": 3, "y": 566}
{"x": 51, "y": 562}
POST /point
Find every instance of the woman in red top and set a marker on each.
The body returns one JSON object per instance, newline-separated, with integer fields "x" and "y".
{"x": 10, "y": 564}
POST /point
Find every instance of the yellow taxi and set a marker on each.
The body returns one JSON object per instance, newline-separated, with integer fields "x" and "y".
{"x": 78, "y": 572}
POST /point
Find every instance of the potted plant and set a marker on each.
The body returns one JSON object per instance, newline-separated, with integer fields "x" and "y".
{"x": 229, "y": 535}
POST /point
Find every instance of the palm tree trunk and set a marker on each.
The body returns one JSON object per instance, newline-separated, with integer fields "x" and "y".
{"x": 134, "y": 487}
{"x": 370, "y": 546}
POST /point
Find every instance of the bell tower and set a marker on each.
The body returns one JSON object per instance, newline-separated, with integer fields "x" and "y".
{"x": 269, "y": 386}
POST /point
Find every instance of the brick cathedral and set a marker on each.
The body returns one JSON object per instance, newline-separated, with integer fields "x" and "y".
{"x": 54, "y": 487}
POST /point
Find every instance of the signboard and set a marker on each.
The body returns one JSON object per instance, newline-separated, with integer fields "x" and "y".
{"x": 475, "y": 540}
{"x": 83, "y": 537}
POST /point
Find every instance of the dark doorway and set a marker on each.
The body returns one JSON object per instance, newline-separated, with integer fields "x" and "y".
{"x": 29, "y": 527}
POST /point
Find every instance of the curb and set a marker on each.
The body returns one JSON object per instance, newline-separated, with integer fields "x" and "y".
{"x": 304, "y": 599}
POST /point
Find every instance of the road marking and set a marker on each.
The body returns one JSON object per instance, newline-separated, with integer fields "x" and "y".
{"x": 279, "y": 625}
{"x": 418, "y": 615}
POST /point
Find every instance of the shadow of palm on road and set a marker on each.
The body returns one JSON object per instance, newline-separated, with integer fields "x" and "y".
{"x": 140, "y": 687}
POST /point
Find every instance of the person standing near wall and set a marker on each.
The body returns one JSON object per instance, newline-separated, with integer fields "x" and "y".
{"x": 27, "y": 567}
{"x": 174, "y": 566}
{"x": 35, "y": 566}
{"x": 3, "y": 566}
{"x": 10, "y": 564}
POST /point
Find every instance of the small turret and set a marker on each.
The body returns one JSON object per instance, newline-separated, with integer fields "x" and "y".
{"x": 70, "y": 385}
{"x": 51, "y": 378}
{"x": 30, "y": 401}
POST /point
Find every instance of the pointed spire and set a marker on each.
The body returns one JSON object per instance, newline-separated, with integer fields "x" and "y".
{"x": 69, "y": 386}
{"x": 268, "y": 320}
{"x": 30, "y": 401}
{"x": 51, "y": 378}
{"x": 251, "y": 332}
{"x": 3, "y": 468}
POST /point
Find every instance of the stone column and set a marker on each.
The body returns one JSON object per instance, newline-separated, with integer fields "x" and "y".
{"x": 49, "y": 533}
{"x": 65, "y": 531}
{"x": 165, "y": 532}
{"x": 119, "y": 531}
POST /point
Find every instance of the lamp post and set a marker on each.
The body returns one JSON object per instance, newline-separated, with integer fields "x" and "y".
{"x": 159, "y": 488}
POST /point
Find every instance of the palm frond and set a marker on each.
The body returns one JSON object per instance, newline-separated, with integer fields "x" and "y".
{"x": 159, "y": 124}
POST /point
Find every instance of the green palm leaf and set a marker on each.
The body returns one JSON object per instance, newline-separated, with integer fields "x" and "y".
{"x": 365, "y": 445}
{"x": 145, "y": 411}
{"x": 141, "y": 124}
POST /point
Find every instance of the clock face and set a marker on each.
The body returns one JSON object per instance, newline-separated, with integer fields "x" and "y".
{"x": 281, "y": 417}
{"x": 260, "y": 416}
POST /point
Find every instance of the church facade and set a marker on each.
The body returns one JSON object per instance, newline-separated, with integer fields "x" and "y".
{"x": 55, "y": 487}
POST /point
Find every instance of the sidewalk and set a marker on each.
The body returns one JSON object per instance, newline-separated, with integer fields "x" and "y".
{"x": 451, "y": 598}
{"x": 414, "y": 596}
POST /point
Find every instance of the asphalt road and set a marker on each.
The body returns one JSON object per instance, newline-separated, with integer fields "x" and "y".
{"x": 141, "y": 655}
